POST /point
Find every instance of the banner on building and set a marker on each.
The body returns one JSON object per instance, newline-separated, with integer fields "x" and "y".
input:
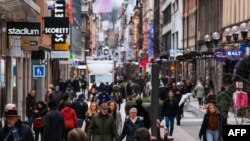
{"x": 150, "y": 39}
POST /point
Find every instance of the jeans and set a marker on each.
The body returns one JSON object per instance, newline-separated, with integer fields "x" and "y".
{"x": 30, "y": 120}
{"x": 212, "y": 135}
{"x": 170, "y": 120}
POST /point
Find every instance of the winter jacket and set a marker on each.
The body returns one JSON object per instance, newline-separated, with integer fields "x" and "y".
{"x": 223, "y": 101}
{"x": 200, "y": 92}
{"x": 141, "y": 111}
{"x": 70, "y": 118}
{"x": 129, "y": 128}
{"x": 54, "y": 127}
{"x": 80, "y": 107}
{"x": 20, "y": 132}
{"x": 169, "y": 108}
{"x": 102, "y": 128}
{"x": 204, "y": 126}
{"x": 30, "y": 105}
{"x": 118, "y": 121}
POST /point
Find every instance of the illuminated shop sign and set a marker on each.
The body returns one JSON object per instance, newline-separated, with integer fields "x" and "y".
{"x": 54, "y": 25}
{"x": 234, "y": 53}
{"x": 23, "y": 29}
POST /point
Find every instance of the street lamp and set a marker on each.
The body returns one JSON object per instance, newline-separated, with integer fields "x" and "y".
{"x": 228, "y": 33}
{"x": 244, "y": 30}
{"x": 216, "y": 37}
{"x": 207, "y": 39}
{"x": 137, "y": 7}
{"x": 235, "y": 32}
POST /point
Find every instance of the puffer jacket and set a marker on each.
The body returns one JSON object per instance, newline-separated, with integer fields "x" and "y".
{"x": 129, "y": 128}
{"x": 70, "y": 118}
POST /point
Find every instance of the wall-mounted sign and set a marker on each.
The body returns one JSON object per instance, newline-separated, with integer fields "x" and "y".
{"x": 64, "y": 46}
{"x": 58, "y": 12}
{"x": 23, "y": 28}
{"x": 54, "y": 25}
{"x": 59, "y": 54}
{"x": 220, "y": 55}
{"x": 234, "y": 54}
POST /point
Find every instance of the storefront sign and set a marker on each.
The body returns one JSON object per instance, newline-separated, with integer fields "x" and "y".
{"x": 59, "y": 12}
{"x": 234, "y": 54}
{"x": 220, "y": 55}
{"x": 59, "y": 54}
{"x": 56, "y": 25}
{"x": 23, "y": 28}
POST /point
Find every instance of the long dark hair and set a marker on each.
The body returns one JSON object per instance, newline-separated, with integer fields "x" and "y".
{"x": 114, "y": 112}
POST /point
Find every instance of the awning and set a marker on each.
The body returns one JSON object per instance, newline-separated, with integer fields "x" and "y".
{"x": 14, "y": 5}
{"x": 188, "y": 56}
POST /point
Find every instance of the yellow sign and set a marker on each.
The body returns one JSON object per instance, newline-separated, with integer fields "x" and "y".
{"x": 61, "y": 46}
{"x": 25, "y": 42}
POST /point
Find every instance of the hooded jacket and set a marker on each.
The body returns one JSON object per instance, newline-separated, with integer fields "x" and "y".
{"x": 70, "y": 118}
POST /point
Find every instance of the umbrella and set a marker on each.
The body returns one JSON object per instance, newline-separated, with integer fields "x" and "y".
{"x": 184, "y": 98}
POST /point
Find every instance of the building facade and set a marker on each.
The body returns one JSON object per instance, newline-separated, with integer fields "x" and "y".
{"x": 172, "y": 36}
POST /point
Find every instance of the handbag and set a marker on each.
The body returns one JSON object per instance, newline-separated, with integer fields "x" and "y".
{"x": 37, "y": 122}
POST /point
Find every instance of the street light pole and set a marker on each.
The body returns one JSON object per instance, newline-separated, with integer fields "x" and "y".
{"x": 154, "y": 98}
{"x": 156, "y": 28}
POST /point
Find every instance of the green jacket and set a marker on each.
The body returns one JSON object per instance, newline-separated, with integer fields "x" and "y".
{"x": 102, "y": 128}
{"x": 224, "y": 101}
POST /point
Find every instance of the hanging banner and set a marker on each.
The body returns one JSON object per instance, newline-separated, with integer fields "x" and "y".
{"x": 150, "y": 40}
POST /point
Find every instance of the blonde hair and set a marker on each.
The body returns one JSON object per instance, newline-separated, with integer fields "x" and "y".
{"x": 90, "y": 111}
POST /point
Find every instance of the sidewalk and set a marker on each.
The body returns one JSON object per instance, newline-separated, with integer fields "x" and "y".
{"x": 232, "y": 119}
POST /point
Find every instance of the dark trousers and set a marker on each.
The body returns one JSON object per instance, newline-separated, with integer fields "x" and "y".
{"x": 179, "y": 114}
{"x": 37, "y": 132}
{"x": 200, "y": 101}
{"x": 80, "y": 122}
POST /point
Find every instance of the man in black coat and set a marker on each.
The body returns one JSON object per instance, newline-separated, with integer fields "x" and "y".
{"x": 30, "y": 106}
{"x": 80, "y": 107}
{"x": 54, "y": 127}
{"x": 14, "y": 129}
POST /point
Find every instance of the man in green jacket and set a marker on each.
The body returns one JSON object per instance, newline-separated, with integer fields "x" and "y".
{"x": 224, "y": 101}
{"x": 102, "y": 126}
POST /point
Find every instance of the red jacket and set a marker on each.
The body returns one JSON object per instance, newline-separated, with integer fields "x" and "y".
{"x": 69, "y": 116}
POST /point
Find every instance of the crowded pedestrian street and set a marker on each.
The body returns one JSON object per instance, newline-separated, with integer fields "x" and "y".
{"x": 124, "y": 70}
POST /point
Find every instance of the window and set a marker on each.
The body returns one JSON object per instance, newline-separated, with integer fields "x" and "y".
{"x": 167, "y": 41}
{"x": 167, "y": 15}
{"x": 173, "y": 41}
{"x": 177, "y": 40}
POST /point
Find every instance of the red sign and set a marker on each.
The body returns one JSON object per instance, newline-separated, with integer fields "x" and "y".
{"x": 70, "y": 12}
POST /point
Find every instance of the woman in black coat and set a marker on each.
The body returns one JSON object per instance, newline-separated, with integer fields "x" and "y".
{"x": 211, "y": 126}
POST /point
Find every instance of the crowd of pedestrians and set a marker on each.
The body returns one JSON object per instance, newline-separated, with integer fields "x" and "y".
{"x": 94, "y": 114}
